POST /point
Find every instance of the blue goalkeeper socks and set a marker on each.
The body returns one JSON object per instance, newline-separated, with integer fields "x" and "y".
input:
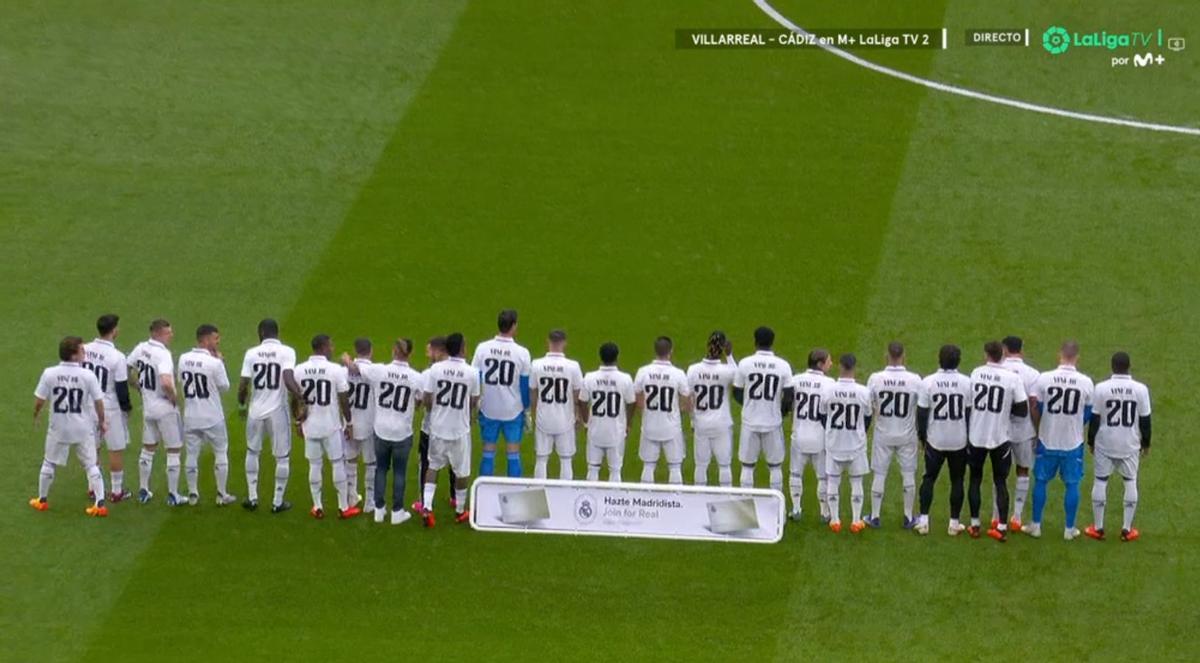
{"x": 487, "y": 464}
{"x": 514, "y": 463}
{"x": 1071, "y": 503}
{"x": 1039, "y": 499}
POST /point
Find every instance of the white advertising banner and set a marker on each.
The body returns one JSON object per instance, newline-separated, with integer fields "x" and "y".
{"x": 658, "y": 511}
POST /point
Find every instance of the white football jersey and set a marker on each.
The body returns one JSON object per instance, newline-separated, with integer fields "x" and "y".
{"x": 204, "y": 379}
{"x": 845, "y": 404}
{"x": 994, "y": 390}
{"x": 452, "y": 384}
{"x": 663, "y": 386}
{"x": 808, "y": 433}
{"x": 947, "y": 396}
{"x": 362, "y": 402}
{"x": 1120, "y": 402}
{"x": 1021, "y": 428}
{"x": 501, "y": 363}
{"x": 71, "y": 393}
{"x": 264, "y": 366}
{"x": 608, "y": 393}
{"x": 764, "y": 376}
{"x": 895, "y": 392}
{"x": 397, "y": 388}
{"x": 321, "y": 381}
{"x": 155, "y": 366}
{"x": 1065, "y": 395}
{"x": 556, "y": 381}
{"x": 108, "y": 363}
{"x": 711, "y": 382}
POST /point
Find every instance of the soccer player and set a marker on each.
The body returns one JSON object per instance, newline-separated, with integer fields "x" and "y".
{"x": 325, "y": 387}
{"x": 763, "y": 387}
{"x": 846, "y": 410}
{"x": 103, "y": 358}
{"x": 202, "y": 373}
{"x": 555, "y": 397}
{"x": 1119, "y": 434}
{"x": 607, "y": 396}
{"x": 362, "y": 423}
{"x": 894, "y": 394}
{"x": 397, "y": 388}
{"x": 451, "y": 394}
{"x": 662, "y": 393}
{"x": 998, "y": 395}
{"x": 1022, "y": 429}
{"x": 70, "y": 388}
{"x": 808, "y": 430}
{"x": 155, "y": 373}
{"x": 711, "y": 382}
{"x": 943, "y": 417}
{"x": 503, "y": 367}
{"x": 435, "y": 351}
{"x": 1065, "y": 399}
{"x": 270, "y": 368}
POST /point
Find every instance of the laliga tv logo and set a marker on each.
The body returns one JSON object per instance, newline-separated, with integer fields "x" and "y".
{"x": 1056, "y": 40}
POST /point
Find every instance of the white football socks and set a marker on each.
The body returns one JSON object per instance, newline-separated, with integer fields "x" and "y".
{"x": 700, "y": 476}
{"x": 45, "y": 479}
{"x": 775, "y": 477}
{"x": 95, "y": 479}
{"x": 1019, "y": 497}
{"x": 796, "y": 489}
{"x": 566, "y": 470}
{"x": 118, "y": 481}
{"x": 1131, "y": 500}
{"x": 460, "y": 498}
{"x": 221, "y": 471}
{"x": 593, "y": 473}
{"x": 822, "y": 488}
{"x": 252, "y": 475}
{"x": 648, "y": 471}
{"x": 342, "y": 484}
{"x": 283, "y": 468}
{"x": 833, "y": 499}
{"x": 145, "y": 468}
{"x": 540, "y": 467}
{"x": 725, "y": 475}
{"x": 747, "y": 476}
{"x": 315, "y": 480}
{"x": 1100, "y": 501}
{"x": 878, "y": 482}
{"x": 856, "y": 498}
{"x": 910, "y": 492}
{"x": 173, "y": 465}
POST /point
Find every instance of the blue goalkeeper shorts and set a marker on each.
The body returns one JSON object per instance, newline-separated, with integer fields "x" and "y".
{"x": 1052, "y": 462}
{"x": 490, "y": 429}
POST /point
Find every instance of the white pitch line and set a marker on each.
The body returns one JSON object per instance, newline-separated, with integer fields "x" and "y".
{"x": 766, "y": 7}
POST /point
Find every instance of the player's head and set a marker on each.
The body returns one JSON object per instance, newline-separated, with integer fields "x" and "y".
{"x": 663, "y": 347}
{"x": 506, "y": 322}
{"x": 993, "y": 351}
{"x": 106, "y": 325}
{"x": 557, "y": 340}
{"x": 402, "y": 349}
{"x": 1013, "y": 345}
{"x": 362, "y": 347}
{"x": 1120, "y": 363}
{"x": 208, "y": 337}
{"x": 1069, "y": 352}
{"x": 717, "y": 344}
{"x": 764, "y": 338}
{"x": 454, "y": 344}
{"x": 435, "y": 349}
{"x": 268, "y": 328}
{"x": 322, "y": 345}
{"x": 949, "y": 357}
{"x": 846, "y": 363}
{"x": 895, "y": 356}
{"x": 71, "y": 349}
{"x": 608, "y": 354}
{"x": 161, "y": 331}
{"x": 819, "y": 360}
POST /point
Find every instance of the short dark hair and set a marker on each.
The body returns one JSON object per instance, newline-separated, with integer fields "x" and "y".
{"x": 895, "y": 349}
{"x": 663, "y": 346}
{"x": 848, "y": 361}
{"x": 69, "y": 347}
{"x": 404, "y": 346}
{"x": 1013, "y": 344}
{"x": 320, "y": 342}
{"x": 1070, "y": 349}
{"x": 362, "y": 345}
{"x": 949, "y": 356}
{"x": 993, "y": 350}
{"x": 206, "y": 330}
{"x": 817, "y": 357}
{"x": 454, "y": 344}
{"x": 158, "y": 324}
{"x": 557, "y": 336}
{"x": 506, "y": 320}
{"x": 764, "y": 338}
{"x": 1120, "y": 362}
{"x": 106, "y": 323}
{"x": 608, "y": 353}
{"x": 268, "y": 328}
{"x": 438, "y": 342}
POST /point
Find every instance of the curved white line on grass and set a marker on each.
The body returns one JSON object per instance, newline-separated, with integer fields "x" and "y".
{"x": 766, "y": 7}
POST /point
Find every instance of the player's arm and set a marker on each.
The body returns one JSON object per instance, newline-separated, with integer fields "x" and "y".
{"x": 1144, "y": 428}
{"x": 351, "y": 367}
{"x": 168, "y": 387}
{"x": 529, "y": 396}
{"x": 38, "y": 404}
{"x": 122, "y": 389}
{"x": 243, "y": 394}
{"x": 789, "y": 398}
{"x": 922, "y": 423}
{"x": 99, "y": 404}
{"x": 1093, "y": 429}
{"x": 1035, "y": 412}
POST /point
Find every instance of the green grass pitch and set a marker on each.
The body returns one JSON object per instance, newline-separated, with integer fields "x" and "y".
{"x": 390, "y": 168}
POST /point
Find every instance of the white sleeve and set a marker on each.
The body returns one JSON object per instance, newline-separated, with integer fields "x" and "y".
{"x": 1143, "y": 400}
{"x": 42, "y": 390}
{"x": 584, "y": 395}
{"x": 247, "y": 366}
{"x": 474, "y": 388}
{"x": 342, "y": 384}
{"x": 121, "y": 372}
{"x": 166, "y": 366}
{"x": 923, "y": 395}
{"x": 739, "y": 379}
{"x": 1019, "y": 395}
{"x": 93, "y": 387}
{"x": 222, "y": 377}
{"x": 630, "y": 393}
{"x": 685, "y": 388}
{"x": 639, "y": 381}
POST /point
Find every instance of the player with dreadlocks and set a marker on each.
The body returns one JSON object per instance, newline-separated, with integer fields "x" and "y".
{"x": 711, "y": 381}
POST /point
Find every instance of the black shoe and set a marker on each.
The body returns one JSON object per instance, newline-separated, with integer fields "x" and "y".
{"x": 250, "y": 505}
{"x": 281, "y": 507}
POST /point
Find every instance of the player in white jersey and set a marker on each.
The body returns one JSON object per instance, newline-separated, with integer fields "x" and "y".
{"x": 711, "y": 382}
{"x": 76, "y": 414}
{"x": 435, "y": 351}
{"x": 894, "y": 394}
{"x": 763, "y": 387}
{"x": 662, "y": 394}
{"x": 997, "y": 395}
{"x": 154, "y": 368}
{"x": 362, "y": 424}
{"x": 269, "y": 368}
{"x": 846, "y": 410}
{"x": 396, "y": 388}
{"x": 325, "y": 387}
{"x": 451, "y": 397}
{"x": 203, "y": 376}
{"x": 607, "y": 397}
{"x": 943, "y": 417}
{"x": 103, "y": 358}
{"x": 1065, "y": 399}
{"x": 1023, "y": 430}
{"x": 1119, "y": 435}
{"x": 503, "y": 367}
{"x": 554, "y": 393}
{"x": 808, "y": 431}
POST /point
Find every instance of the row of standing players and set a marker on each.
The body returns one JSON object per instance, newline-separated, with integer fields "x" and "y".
{"x": 1005, "y": 412}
